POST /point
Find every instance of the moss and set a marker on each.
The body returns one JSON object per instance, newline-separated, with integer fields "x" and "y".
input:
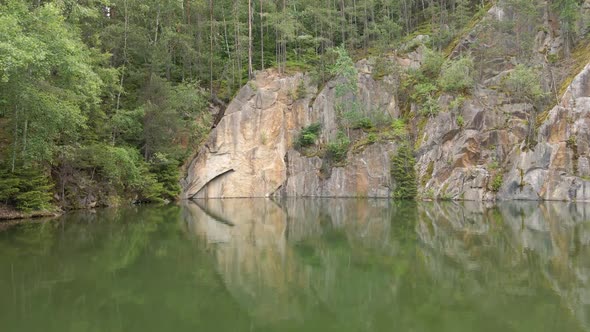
{"x": 443, "y": 192}
{"x": 372, "y": 138}
{"x": 421, "y": 137}
{"x": 522, "y": 183}
{"x": 580, "y": 57}
{"x": 428, "y": 174}
{"x": 542, "y": 117}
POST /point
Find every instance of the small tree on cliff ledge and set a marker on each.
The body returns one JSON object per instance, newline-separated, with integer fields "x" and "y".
{"x": 403, "y": 173}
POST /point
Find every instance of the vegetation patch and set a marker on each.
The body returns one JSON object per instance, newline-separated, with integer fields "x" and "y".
{"x": 497, "y": 181}
{"x": 336, "y": 151}
{"x": 428, "y": 174}
{"x": 27, "y": 190}
{"x": 403, "y": 173}
{"x": 308, "y": 136}
{"x": 580, "y": 57}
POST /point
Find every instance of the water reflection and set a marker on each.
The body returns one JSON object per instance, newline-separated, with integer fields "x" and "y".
{"x": 352, "y": 264}
{"x": 301, "y": 265}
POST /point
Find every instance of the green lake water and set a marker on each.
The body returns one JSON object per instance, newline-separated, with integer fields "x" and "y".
{"x": 301, "y": 265}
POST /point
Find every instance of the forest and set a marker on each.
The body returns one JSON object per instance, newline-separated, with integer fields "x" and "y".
{"x": 106, "y": 100}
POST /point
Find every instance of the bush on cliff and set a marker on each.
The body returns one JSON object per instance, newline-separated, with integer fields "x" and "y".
{"x": 308, "y": 135}
{"x": 457, "y": 75}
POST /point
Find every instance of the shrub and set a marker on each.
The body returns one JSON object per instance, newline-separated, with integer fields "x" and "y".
{"x": 497, "y": 182}
{"x": 372, "y": 138}
{"x": 423, "y": 91}
{"x": 167, "y": 174}
{"x": 430, "y": 107}
{"x": 399, "y": 127}
{"x": 456, "y": 103}
{"x": 301, "y": 90}
{"x": 363, "y": 123}
{"x": 308, "y": 135}
{"x": 27, "y": 189}
{"x": 460, "y": 121}
{"x": 432, "y": 63}
{"x": 524, "y": 84}
{"x": 381, "y": 68}
{"x": 336, "y": 151}
{"x": 457, "y": 75}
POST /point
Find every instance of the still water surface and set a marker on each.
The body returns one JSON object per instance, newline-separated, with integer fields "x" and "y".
{"x": 301, "y": 265}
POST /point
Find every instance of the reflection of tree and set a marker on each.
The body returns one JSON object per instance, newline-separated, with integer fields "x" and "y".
{"x": 116, "y": 270}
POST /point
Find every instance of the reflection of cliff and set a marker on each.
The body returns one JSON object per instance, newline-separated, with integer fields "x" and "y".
{"x": 288, "y": 264}
{"x": 247, "y": 238}
{"x": 521, "y": 247}
{"x": 357, "y": 265}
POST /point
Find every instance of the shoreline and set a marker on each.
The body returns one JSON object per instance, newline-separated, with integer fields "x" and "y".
{"x": 8, "y": 214}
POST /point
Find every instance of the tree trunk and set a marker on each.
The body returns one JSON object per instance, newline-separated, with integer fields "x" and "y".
{"x": 125, "y": 33}
{"x": 211, "y": 47}
{"x": 250, "y": 39}
{"x": 15, "y": 138}
{"x": 261, "y": 38}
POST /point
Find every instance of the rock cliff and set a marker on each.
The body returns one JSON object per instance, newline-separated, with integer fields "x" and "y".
{"x": 491, "y": 146}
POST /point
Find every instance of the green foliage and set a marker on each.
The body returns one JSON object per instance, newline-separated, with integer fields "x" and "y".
{"x": 432, "y": 64}
{"x": 494, "y": 165}
{"x": 460, "y": 121}
{"x": 523, "y": 84}
{"x": 336, "y": 151}
{"x": 497, "y": 182}
{"x": 372, "y": 138}
{"x": 457, "y": 75}
{"x": 308, "y": 135}
{"x": 167, "y": 174}
{"x": 382, "y": 68}
{"x": 301, "y": 90}
{"x": 344, "y": 68}
{"x": 27, "y": 189}
{"x": 403, "y": 173}
{"x": 399, "y": 128}
{"x": 427, "y": 174}
{"x": 363, "y": 123}
{"x": 456, "y": 103}
{"x": 430, "y": 107}
{"x": 423, "y": 91}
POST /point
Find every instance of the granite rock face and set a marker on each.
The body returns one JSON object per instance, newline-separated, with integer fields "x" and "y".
{"x": 488, "y": 147}
{"x": 250, "y": 152}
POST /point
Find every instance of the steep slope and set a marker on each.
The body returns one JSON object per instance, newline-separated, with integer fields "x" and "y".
{"x": 490, "y": 146}
{"x": 250, "y": 152}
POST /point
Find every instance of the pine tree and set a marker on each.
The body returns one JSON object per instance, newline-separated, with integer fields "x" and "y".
{"x": 403, "y": 173}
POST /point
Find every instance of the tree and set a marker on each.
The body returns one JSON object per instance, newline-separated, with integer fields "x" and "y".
{"x": 569, "y": 13}
{"x": 403, "y": 173}
{"x": 524, "y": 85}
{"x": 47, "y": 78}
{"x": 457, "y": 75}
{"x": 250, "y": 39}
